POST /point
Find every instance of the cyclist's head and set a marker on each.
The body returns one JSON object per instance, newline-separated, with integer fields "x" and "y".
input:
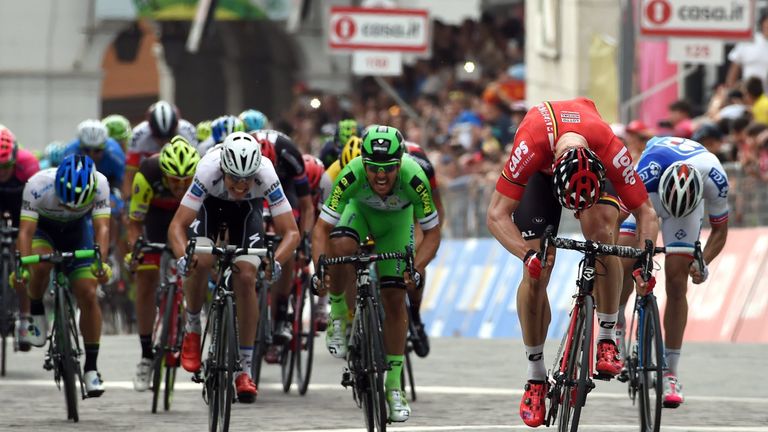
{"x": 315, "y": 169}
{"x": 225, "y": 125}
{"x": 92, "y": 134}
{"x": 350, "y": 151}
{"x": 680, "y": 189}
{"x": 240, "y": 155}
{"x": 203, "y": 130}
{"x": 75, "y": 181}
{"x": 118, "y": 127}
{"x": 267, "y": 149}
{"x": 54, "y": 153}
{"x": 7, "y": 147}
{"x": 178, "y": 158}
{"x": 163, "y": 118}
{"x": 253, "y": 120}
{"x": 344, "y": 130}
{"x": 578, "y": 178}
{"x": 382, "y": 145}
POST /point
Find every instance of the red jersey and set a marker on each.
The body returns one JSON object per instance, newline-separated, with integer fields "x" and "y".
{"x": 534, "y": 145}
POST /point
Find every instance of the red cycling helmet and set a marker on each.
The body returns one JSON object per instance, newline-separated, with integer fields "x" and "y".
{"x": 315, "y": 169}
{"x": 578, "y": 178}
{"x": 267, "y": 148}
{"x": 7, "y": 146}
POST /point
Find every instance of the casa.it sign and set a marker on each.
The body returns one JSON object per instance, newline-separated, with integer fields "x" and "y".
{"x": 717, "y": 19}
{"x": 374, "y": 29}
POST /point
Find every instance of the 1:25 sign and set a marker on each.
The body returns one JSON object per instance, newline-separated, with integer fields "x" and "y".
{"x": 695, "y": 51}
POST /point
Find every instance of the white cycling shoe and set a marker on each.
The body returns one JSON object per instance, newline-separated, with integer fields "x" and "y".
{"x": 399, "y": 411}
{"x": 143, "y": 375}
{"x": 336, "y": 337}
{"x": 37, "y": 330}
{"x": 94, "y": 386}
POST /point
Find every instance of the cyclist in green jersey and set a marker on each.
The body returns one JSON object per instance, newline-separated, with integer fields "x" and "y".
{"x": 377, "y": 195}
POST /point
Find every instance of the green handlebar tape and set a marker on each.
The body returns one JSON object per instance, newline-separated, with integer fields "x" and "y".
{"x": 85, "y": 253}
{"x": 30, "y": 259}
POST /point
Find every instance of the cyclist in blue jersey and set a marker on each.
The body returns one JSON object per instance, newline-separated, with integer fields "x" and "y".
{"x": 680, "y": 174}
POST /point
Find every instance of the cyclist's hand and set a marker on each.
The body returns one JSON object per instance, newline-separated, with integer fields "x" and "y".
{"x": 533, "y": 264}
{"x": 24, "y": 276}
{"x": 273, "y": 273}
{"x": 698, "y": 275}
{"x": 413, "y": 282}
{"x": 103, "y": 275}
{"x": 129, "y": 262}
{"x": 643, "y": 287}
{"x": 183, "y": 266}
{"x": 320, "y": 288}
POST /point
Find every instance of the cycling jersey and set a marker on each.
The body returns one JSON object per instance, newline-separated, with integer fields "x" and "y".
{"x": 329, "y": 153}
{"x": 420, "y": 156}
{"x": 150, "y": 190}
{"x": 143, "y": 144}
{"x": 534, "y": 146}
{"x": 41, "y": 202}
{"x": 11, "y": 191}
{"x": 111, "y": 164}
{"x": 289, "y": 166}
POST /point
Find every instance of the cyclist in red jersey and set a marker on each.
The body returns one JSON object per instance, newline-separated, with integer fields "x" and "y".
{"x": 562, "y": 153}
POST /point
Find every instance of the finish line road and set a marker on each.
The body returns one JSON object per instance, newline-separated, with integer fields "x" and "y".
{"x": 464, "y": 385}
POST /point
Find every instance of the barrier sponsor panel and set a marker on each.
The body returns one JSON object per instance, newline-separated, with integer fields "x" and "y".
{"x": 471, "y": 291}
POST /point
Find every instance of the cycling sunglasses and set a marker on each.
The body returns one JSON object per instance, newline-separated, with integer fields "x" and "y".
{"x": 238, "y": 179}
{"x": 92, "y": 150}
{"x": 8, "y": 164}
{"x": 376, "y": 168}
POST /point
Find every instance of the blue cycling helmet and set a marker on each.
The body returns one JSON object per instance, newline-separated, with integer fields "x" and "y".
{"x": 253, "y": 120}
{"x": 225, "y": 125}
{"x": 54, "y": 153}
{"x": 75, "y": 181}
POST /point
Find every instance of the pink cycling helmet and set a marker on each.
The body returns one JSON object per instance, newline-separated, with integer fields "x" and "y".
{"x": 7, "y": 146}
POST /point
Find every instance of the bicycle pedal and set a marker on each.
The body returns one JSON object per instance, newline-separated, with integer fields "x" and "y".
{"x": 196, "y": 378}
{"x": 602, "y": 377}
{"x": 623, "y": 376}
{"x": 346, "y": 379}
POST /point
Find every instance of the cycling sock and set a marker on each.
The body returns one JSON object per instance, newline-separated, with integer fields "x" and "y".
{"x": 36, "y": 307}
{"x": 396, "y": 369}
{"x": 193, "y": 322}
{"x": 91, "y": 354}
{"x": 281, "y": 312}
{"x": 536, "y": 369}
{"x": 673, "y": 357}
{"x": 146, "y": 346}
{"x": 246, "y": 359}
{"x": 339, "y": 307}
{"x": 607, "y": 324}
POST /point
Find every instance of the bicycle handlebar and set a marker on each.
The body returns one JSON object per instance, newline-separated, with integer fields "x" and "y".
{"x": 365, "y": 259}
{"x": 141, "y": 246}
{"x": 58, "y": 257}
{"x": 235, "y": 251}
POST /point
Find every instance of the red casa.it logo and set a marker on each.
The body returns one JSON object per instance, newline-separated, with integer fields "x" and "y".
{"x": 345, "y": 28}
{"x": 658, "y": 11}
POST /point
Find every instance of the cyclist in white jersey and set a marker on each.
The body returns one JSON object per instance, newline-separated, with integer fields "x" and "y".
{"x": 230, "y": 184}
{"x": 66, "y": 209}
{"x": 680, "y": 175}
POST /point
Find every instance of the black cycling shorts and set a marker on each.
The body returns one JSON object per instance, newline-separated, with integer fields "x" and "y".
{"x": 156, "y": 223}
{"x": 245, "y": 225}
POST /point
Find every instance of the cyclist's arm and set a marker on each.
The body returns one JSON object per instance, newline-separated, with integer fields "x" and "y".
{"x": 27, "y": 227}
{"x": 716, "y": 242}
{"x": 138, "y": 207}
{"x": 307, "y": 209}
{"x": 320, "y": 235}
{"x": 285, "y": 227}
{"x": 427, "y": 249}
{"x": 177, "y": 232}
{"x": 101, "y": 233}
{"x": 500, "y": 224}
{"x": 438, "y": 205}
{"x": 130, "y": 172}
{"x": 647, "y": 223}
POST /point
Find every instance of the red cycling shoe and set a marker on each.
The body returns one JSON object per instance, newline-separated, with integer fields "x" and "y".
{"x": 246, "y": 389}
{"x": 190, "y": 352}
{"x": 533, "y": 405}
{"x": 608, "y": 360}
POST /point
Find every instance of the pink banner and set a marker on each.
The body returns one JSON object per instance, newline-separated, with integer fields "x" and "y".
{"x": 653, "y": 68}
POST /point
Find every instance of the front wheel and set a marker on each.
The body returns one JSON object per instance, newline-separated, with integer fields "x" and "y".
{"x": 377, "y": 366}
{"x": 574, "y": 381}
{"x": 304, "y": 335}
{"x": 651, "y": 369}
{"x": 262, "y": 332}
{"x": 65, "y": 341}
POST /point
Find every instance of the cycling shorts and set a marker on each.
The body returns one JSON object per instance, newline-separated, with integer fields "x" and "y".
{"x": 156, "y": 223}
{"x": 678, "y": 233}
{"x": 67, "y": 237}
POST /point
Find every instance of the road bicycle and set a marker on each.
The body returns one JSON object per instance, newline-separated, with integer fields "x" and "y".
{"x": 222, "y": 361}
{"x": 8, "y": 301}
{"x": 366, "y": 357}
{"x": 411, "y": 338}
{"x": 299, "y": 351}
{"x": 168, "y": 329}
{"x": 64, "y": 351}
{"x": 570, "y": 378}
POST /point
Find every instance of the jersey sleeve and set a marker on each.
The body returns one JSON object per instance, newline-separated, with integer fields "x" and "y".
{"x": 141, "y": 197}
{"x": 26, "y": 165}
{"x": 29, "y": 200}
{"x": 524, "y": 160}
{"x": 325, "y": 186}
{"x": 101, "y": 206}
{"x": 737, "y": 54}
{"x": 197, "y": 193}
{"x": 188, "y": 131}
{"x": 133, "y": 154}
{"x": 342, "y": 191}
{"x": 291, "y": 156}
{"x": 421, "y": 197}
{"x": 118, "y": 159}
{"x": 716, "y": 194}
{"x": 272, "y": 190}
{"x": 621, "y": 172}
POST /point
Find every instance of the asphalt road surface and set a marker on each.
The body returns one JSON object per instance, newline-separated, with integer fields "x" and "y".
{"x": 464, "y": 385}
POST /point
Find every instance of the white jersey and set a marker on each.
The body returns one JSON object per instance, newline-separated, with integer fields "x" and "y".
{"x": 206, "y": 146}
{"x": 143, "y": 144}
{"x": 209, "y": 182}
{"x": 325, "y": 186}
{"x": 40, "y": 199}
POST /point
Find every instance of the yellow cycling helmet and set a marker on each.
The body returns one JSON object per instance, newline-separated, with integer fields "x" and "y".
{"x": 350, "y": 151}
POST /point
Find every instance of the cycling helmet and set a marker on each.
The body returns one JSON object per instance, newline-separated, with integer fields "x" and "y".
{"x": 178, "y": 158}
{"x": 92, "y": 134}
{"x": 382, "y": 145}
{"x": 680, "y": 189}
{"x": 578, "y": 178}
{"x": 253, "y": 120}
{"x": 240, "y": 155}
{"x": 118, "y": 127}
{"x": 314, "y": 169}
{"x": 225, "y": 125}
{"x": 54, "y": 153}
{"x": 203, "y": 130}
{"x": 75, "y": 181}
{"x": 267, "y": 149}
{"x": 350, "y": 151}
{"x": 163, "y": 119}
{"x": 7, "y": 146}
{"x": 344, "y": 130}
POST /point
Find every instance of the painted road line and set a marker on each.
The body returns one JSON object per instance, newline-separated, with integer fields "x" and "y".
{"x": 590, "y": 427}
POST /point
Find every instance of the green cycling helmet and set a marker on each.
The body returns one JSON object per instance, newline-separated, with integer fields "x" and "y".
{"x": 346, "y": 129}
{"x": 203, "y": 130}
{"x": 178, "y": 158}
{"x": 118, "y": 127}
{"x": 382, "y": 145}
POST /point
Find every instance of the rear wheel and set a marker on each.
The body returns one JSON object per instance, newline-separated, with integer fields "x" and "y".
{"x": 6, "y": 317}
{"x": 160, "y": 340}
{"x": 407, "y": 372}
{"x": 304, "y": 335}
{"x": 652, "y": 369}
{"x": 260, "y": 346}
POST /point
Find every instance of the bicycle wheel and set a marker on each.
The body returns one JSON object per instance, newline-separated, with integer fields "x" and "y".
{"x": 288, "y": 351}
{"x": 572, "y": 394}
{"x": 160, "y": 340}
{"x": 6, "y": 317}
{"x": 407, "y": 372}
{"x": 172, "y": 358}
{"x": 651, "y": 368}
{"x": 67, "y": 363}
{"x": 304, "y": 335}
{"x": 376, "y": 365}
{"x": 260, "y": 346}
{"x": 211, "y": 367}
{"x": 225, "y": 359}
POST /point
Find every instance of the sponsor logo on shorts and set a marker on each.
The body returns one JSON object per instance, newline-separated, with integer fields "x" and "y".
{"x": 538, "y": 220}
{"x": 680, "y": 234}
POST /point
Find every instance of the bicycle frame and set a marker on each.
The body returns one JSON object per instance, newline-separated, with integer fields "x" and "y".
{"x": 7, "y": 296}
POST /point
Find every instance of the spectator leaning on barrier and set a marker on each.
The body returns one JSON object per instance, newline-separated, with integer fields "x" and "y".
{"x": 756, "y": 98}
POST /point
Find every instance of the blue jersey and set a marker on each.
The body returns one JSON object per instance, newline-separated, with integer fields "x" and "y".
{"x": 112, "y": 164}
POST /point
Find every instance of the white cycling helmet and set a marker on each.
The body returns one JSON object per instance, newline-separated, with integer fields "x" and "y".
{"x": 240, "y": 155}
{"x": 680, "y": 189}
{"x": 92, "y": 133}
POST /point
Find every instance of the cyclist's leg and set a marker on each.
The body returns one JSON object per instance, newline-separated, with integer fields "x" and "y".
{"x": 280, "y": 291}
{"x": 627, "y": 237}
{"x": 39, "y": 278}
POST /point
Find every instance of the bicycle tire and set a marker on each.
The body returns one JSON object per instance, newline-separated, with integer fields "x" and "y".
{"x": 260, "y": 345}
{"x": 158, "y": 365}
{"x": 63, "y": 347}
{"x": 407, "y": 372}
{"x": 304, "y": 328}
{"x": 584, "y": 382}
{"x": 564, "y": 396}
{"x": 170, "y": 381}
{"x": 226, "y": 357}
{"x": 652, "y": 372}
{"x": 361, "y": 359}
{"x": 210, "y": 371}
{"x": 6, "y": 316}
{"x": 172, "y": 366}
{"x": 377, "y": 365}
